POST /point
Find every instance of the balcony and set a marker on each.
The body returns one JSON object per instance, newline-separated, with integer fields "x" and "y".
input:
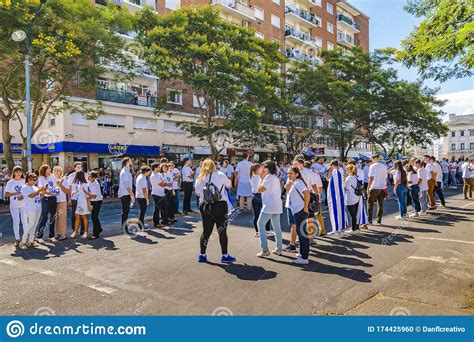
{"x": 345, "y": 39}
{"x": 235, "y": 8}
{"x": 347, "y": 23}
{"x": 299, "y": 37}
{"x": 136, "y": 5}
{"x": 304, "y": 17}
{"x": 296, "y": 55}
{"x": 125, "y": 98}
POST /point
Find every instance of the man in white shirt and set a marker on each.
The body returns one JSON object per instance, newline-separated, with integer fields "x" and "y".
{"x": 431, "y": 177}
{"x": 242, "y": 182}
{"x": 467, "y": 177}
{"x": 176, "y": 180}
{"x": 142, "y": 196}
{"x": 439, "y": 180}
{"x": 125, "y": 191}
{"x": 376, "y": 187}
{"x": 158, "y": 183}
{"x": 188, "y": 179}
{"x": 445, "y": 170}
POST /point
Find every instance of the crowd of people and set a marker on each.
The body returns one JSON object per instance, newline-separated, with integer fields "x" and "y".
{"x": 350, "y": 190}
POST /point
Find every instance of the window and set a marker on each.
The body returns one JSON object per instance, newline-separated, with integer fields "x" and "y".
{"x": 259, "y": 35}
{"x": 198, "y": 102}
{"x": 330, "y": 27}
{"x": 275, "y": 21}
{"x": 471, "y": 146}
{"x": 462, "y": 147}
{"x": 172, "y": 4}
{"x": 170, "y": 126}
{"x": 330, "y": 46}
{"x": 461, "y": 133}
{"x": 330, "y": 8}
{"x": 259, "y": 14}
{"x": 453, "y": 147}
{"x": 52, "y": 121}
{"x": 471, "y": 132}
{"x": 276, "y": 2}
{"x": 174, "y": 96}
{"x": 144, "y": 124}
{"x": 453, "y": 134}
{"x": 111, "y": 121}
{"x": 316, "y": 2}
{"x": 79, "y": 120}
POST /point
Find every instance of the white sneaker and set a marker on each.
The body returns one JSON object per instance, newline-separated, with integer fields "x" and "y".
{"x": 413, "y": 215}
{"x": 85, "y": 236}
{"x": 263, "y": 254}
{"x": 301, "y": 261}
{"x": 271, "y": 233}
{"x": 40, "y": 240}
{"x": 73, "y": 236}
{"x": 257, "y": 234}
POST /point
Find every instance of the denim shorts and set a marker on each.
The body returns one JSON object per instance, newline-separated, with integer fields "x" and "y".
{"x": 291, "y": 218}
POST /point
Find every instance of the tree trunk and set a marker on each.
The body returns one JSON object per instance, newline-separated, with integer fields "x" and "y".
{"x": 7, "y": 140}
{"x": 214, "y": 151}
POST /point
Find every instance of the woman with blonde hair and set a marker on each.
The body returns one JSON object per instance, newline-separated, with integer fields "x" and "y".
{"x": 60, "y": 218}
{"x": 211, "y": 188}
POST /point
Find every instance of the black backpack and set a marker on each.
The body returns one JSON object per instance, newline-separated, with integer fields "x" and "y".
{"x": 211, "y": 194}
{"x": 314, "y": 205}
{"x": 359, "y": 189}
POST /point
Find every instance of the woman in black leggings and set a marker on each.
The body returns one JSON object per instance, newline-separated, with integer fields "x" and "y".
{"x": 214, "y": 209}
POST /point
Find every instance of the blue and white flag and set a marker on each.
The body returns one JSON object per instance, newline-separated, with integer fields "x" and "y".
{"x": 362, "y": 212}
{"x": 336, "y": 204}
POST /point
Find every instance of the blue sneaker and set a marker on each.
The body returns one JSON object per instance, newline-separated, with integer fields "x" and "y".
{"x": 228, "y": 258}
{"x": 202, "y": 258}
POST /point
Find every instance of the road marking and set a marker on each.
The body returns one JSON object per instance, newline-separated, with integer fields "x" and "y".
{"x": 49, "y": 273}
{"x": 103, "y": 289}
{"x": 434, "y": 258}
{"x": 9, "y": 262}
{"x": 449, "y": 240}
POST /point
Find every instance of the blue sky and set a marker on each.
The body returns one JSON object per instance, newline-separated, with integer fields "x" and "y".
{"x": 389, "y": 23}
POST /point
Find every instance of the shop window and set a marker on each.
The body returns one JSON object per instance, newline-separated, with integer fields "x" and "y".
{"x": 112, "y": 121}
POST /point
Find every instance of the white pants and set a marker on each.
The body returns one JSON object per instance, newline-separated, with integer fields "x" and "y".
{"x": 17, "y": 214}
{"x": 29, "y": 232}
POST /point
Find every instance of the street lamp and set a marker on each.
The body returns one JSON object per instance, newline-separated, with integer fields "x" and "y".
{"x": 19, "y": 36}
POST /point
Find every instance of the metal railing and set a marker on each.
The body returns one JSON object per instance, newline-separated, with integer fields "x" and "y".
{"x": 302, "y": 57}
{"x": 349, "y": 21}
{"x": 125, "y": 97}
{"x": 291, "y": 31}
{"x": 303, "y": 14}
{"x": 345, "y": 38}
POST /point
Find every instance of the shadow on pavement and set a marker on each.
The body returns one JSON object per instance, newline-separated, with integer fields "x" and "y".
{"x": 246, "y": 272}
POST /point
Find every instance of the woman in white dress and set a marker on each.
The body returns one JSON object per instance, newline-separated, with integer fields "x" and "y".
{"x": 83, "y": 204}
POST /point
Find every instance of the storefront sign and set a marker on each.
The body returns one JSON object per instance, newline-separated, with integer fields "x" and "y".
{"x": 16, "y": 148}
{"x": 239, "y": 152}
{"x": 117, "y": 149}
{"x": 319, "y": 151}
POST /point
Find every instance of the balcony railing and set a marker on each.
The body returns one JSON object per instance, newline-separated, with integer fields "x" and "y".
{"x": 125, "y": 97}
{"x": 345, "y": 38}
{"x": 348, "y": 21}
{"x": 303, "y": 14}
{"x": 302, "y": 57}
{"x": 292, "y": 32}
{"x": 238, "y": 6}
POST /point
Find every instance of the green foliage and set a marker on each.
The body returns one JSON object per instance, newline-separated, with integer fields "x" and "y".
{"x": 442, "y": 46}
{"x": 226, "y": 65}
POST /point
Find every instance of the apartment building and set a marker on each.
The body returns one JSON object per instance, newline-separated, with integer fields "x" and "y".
{"x": 459, "y": 143}
{"x": 302, "y": 27}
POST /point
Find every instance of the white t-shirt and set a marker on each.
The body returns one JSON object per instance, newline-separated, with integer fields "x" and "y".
{"x": 311, "y": 178}
{"x": 169, "y": 179}
{"x": 94, "y": 188}
{"x": 175, "y": 172}
{"x": 31, "y": 204}
{"x": 439, "y": 172}
{"x": 471, "y": 165}
{"x": 412, "y": 178}
{"x": 421, "y": 173}
{"x": 156, "y": 178}
{"x": 140, "y": 183}
{"x": 429, "y": 169}
{"x": 453, "y": 166}
{"x": 125, "y": 182}
{"x": 271, "y": 197}
{"x": 186, "y": 173}
{"x": 396, "y": 176}
{"x": 15, "y": 186}
{"x": 219, "y": 179}
{"x": 254, "y": 181}
{"x": 52, "y": 189}
{"x": 62, "y": 195}
{"x": 81, "y": 189}
{"x": 379, "y": 172}
{"x": 317, "y": 167}
{"x": 350, "y": 185}
{"x": 465, "y": 170}
{"x": 444, "y": 166}
{"x": 243, "y": 168}
{"x": 295, "y": 201}
{"x": 228, "y": 170}
{"x": 70, "y": 180}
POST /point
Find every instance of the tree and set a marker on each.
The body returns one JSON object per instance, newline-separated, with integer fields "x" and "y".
{"x": 72, "y": 43}
{"x": 442, "y": 46}
{"x": 233, "y": 73}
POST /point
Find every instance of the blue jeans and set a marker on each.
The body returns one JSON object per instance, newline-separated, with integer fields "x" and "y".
{"x": 445, "y": 179}
{"x": 402, "y": 199}
{"x": 262, "y": 222}
{"x": 176, "y": 201}
{"x": 415, "y": 197}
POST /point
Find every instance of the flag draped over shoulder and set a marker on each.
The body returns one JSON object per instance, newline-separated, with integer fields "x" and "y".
{"x": 362, "y": 212}
{"x": 336, "y": 204}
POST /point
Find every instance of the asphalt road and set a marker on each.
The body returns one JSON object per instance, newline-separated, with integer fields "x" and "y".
{"x": 420, "y": 267}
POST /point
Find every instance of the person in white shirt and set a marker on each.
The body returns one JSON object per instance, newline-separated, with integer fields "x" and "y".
{"x": 169, "y": 193}
{"x": 439, "y": 180}
{"x": 188, "y": 179}
{"x": 352, "y": 200}
{"x": 315, "y": 185}
{"x": 158, "y": 183}
{"x": 431, "y": 179}
{"x": 213, "y": 213}
{"x": 78, "y": 166}
{"x": 445, "y": 171}
{"x": 242, "y": 183}
{"x": 467, "y": 180}
{"x": 96, "y": 202}
{"x": 60, "y": 219}
{"x": 31, "y": 196}
{"x": 413, "y": 188}
{"x": 141, "y": 194}
{"x": 48, "y": 201}
{"x": 423, "y": 184}
{"x": 376, "y": 187}
{"x": 17, "y": 203}
{"x": 176, "y": 187}
{"x": 366, "y": 174}
{"x": 81, "y": 188}
{"x": 297, "y": 203}
{"x": 270, "y": 189}
{"x": 453, "y": 166}
{"x": 257, "y": 198}
{"x": 125, "y": 191}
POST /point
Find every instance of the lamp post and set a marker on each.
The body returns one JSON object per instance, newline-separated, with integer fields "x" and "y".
{"x": 19, "y": 36}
